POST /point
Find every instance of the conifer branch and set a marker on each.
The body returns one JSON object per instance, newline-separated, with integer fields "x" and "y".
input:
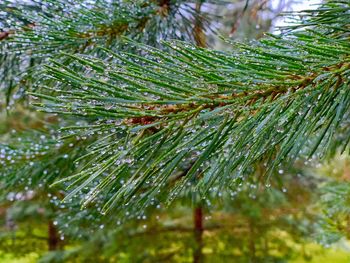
{"x": 227, "y": 111}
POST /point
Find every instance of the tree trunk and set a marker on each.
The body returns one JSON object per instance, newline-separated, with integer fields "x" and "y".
{"x": 198, "y": 32}
{"x": 198, "y": 234}
{"x": 53, "y": 239}
{"x": 252, "y": 249}
{"x": 200, "y": 39}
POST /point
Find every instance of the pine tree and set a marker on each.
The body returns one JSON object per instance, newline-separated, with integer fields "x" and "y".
{"x": 143, "y": 123}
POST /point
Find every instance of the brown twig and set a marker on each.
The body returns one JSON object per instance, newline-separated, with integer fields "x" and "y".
{"x": 4, "y": 35}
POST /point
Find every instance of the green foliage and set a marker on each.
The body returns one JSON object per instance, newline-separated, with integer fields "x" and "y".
{"x": 40, "y": 30}
{"x": 132, "y": 124}
{"x": 270, "y": 101}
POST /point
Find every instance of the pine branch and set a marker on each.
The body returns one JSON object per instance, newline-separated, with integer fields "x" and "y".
{"x": 282, "y": 97}
{"x": 276, "y": 100}
{"x": 78, "y": 27}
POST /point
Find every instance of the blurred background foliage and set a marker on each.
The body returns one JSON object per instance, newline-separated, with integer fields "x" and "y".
{"x": 303, "y": 217}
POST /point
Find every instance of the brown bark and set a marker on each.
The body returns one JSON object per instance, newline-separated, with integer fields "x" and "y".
{"x": 53, "y": 239}
{"x": 252, "y": 249}
{"x": 198, "y": 234}
{"x": 198, "y": 31}
{"x": 164, "y": 7}
{"x": 164, "y": 2}
{"x": 198, "y": 256}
